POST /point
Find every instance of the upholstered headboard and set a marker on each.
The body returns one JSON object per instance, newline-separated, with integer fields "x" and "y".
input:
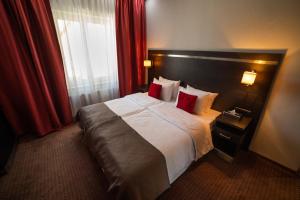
{"x": 221, "y": 72}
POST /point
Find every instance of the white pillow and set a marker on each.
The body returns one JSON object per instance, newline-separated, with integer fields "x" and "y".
{"x": 175, "y": 88}
{"x": 210, "y": 99}
{"x": 201, "y": 103}
{"x": 166, "y": 90}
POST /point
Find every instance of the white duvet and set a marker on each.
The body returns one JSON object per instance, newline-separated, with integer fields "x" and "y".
{"x": 180, "y": 136}
{"x": 143, "y": 99}
{"x": 176, "y": 146}
{"x": 131, "y": 104}
{"x": 197, "y": 127}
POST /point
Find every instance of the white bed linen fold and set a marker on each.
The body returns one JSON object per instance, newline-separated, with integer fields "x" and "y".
{"x": 123, "y": 106}
{"x": 176, "y": 146}
{"x": 131, "y": 104}
{"x": 180, "y": 136}
{"x": 143, "y": 99}
{"x": 198, "y": 127}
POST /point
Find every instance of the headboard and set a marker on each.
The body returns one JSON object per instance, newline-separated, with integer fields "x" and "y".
{"x": 221, "y": 72}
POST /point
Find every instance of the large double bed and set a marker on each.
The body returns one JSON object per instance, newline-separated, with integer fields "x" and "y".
{"x": 132, "y": 136}
{"x": 144, "y": 144}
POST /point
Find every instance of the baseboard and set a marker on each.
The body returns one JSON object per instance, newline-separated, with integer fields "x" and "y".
{"x": 276, "y": 163}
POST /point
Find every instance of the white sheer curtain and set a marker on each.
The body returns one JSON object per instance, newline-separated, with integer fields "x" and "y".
{"x": 87, "y": 37}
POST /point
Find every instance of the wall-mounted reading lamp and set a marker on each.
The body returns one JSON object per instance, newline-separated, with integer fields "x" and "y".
{"x": 248, "y": 78}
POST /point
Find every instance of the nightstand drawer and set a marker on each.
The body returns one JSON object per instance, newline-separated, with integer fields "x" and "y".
{"x": 225, "y": 141}
{"x": 226, "y": 135}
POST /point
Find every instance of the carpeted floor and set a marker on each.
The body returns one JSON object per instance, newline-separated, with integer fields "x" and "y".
{"x": 59, "y": 166}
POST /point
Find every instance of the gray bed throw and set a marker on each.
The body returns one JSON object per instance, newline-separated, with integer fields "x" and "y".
{"x": 134, "y": 168}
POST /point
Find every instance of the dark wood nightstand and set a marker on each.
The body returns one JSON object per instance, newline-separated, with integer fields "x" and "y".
{"x": 228, "y": 135}
{"x": 143, "y": 88}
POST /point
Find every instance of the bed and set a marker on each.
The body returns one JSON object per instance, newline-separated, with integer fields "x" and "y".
{"x": 143, "y": 144}
{"x": 127, "y": 105}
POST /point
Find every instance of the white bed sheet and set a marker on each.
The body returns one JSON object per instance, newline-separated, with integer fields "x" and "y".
{"x": 143, "y": 99}
{"x": 181, "y": 137}
{"x": 131, "y": 104}
{"x": 176, "y": 146}
{"x": 198, "y": 127}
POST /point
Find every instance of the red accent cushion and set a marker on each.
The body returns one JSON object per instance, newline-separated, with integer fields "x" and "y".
{"x": 154, "y": 90}
{"x": 186, "y": 102}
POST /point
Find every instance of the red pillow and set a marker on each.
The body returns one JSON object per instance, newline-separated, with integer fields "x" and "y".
{"x": 186, "y": 102}
{"x": 154, "y": 90}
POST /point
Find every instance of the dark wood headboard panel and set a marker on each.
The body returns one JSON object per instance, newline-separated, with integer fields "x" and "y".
{"x": 221, "y": 72}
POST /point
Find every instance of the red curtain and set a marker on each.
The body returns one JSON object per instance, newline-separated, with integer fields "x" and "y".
{"x": 131, "y": 44}
{"x": 33, "y": 88}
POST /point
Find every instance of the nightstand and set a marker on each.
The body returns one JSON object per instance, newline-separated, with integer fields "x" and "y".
{"x": 228, "y": 135}
{"x": 143, "y": 89}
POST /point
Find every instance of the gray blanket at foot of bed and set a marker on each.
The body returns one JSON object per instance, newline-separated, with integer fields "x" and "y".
{"x": 133, "y": 167}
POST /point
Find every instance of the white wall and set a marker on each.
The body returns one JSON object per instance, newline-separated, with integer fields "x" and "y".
{"x": 250, "y": 24}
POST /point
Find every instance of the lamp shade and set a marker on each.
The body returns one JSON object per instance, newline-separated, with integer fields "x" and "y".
{"x": 248, "y": 78}
{"x": 147, "y": 63}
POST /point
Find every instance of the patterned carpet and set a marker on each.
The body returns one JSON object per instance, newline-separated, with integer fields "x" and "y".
{"x": 59, "y": 166}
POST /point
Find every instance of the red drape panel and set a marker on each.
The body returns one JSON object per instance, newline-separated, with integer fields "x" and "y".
{"x": 33, "y": 94}
{"x": 131, "y": 44}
